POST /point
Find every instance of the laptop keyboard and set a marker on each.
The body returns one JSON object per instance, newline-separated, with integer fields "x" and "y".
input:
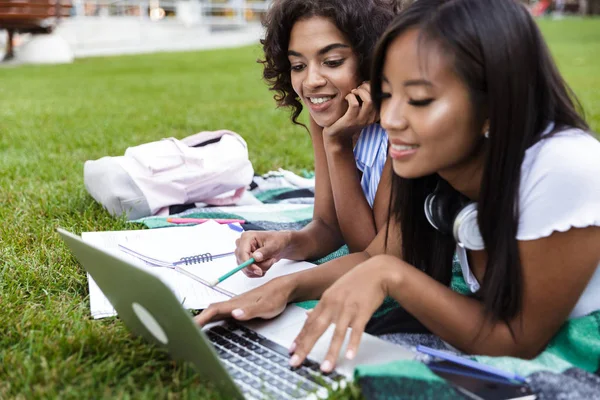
{"x": 260, "y": 367}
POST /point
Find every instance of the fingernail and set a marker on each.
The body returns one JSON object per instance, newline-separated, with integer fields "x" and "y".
{"x": 292, "y": 347}
{"x": 326, "y": 366}
{"x": 309, "y": 311}
{"x": 258, "y": 256}
{"x": 295, "y": 360}
{"x": 237, "y": 313}
{"x": 350, "y": 354}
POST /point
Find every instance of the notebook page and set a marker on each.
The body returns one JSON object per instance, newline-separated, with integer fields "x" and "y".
{"x": 190, "y": 293}
{"x": 222, "y": 238}
{"x": 207, "y": 238}
{"x": 240, "y": 283}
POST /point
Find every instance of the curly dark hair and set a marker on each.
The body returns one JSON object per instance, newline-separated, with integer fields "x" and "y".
{"x": 361, "y": 21}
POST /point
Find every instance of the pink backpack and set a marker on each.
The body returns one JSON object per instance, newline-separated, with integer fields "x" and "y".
{"x": 204, "y": 167}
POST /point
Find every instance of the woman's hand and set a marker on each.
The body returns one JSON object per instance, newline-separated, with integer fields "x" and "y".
{"x": 348, "y": 303}
{"x": 266, "y": 301}
{"x": 360, "y": 113}
{"x": 267, "y": 247}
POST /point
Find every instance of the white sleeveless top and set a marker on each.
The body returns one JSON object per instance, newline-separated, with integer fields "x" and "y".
{"x": 560, "y": 190}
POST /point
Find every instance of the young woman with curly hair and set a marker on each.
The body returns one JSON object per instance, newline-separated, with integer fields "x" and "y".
{"x": 318, "y": 54}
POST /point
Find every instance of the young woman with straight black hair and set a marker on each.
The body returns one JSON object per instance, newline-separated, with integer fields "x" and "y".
{"x": 491, "y": 161}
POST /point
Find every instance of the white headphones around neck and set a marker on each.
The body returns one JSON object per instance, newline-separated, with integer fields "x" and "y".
{"x": 451, "y": 215}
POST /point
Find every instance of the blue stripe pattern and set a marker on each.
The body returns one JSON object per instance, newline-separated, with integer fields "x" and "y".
{"x": 370, "y": 154}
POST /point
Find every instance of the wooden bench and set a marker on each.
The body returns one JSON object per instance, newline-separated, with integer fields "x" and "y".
{"x": 30, "y": 16}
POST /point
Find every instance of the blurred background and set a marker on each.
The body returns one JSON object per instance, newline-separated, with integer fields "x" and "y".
{"x": 559, "y": 7}
{"x": 57, "y": 31}
{"x": 80, "y": 28}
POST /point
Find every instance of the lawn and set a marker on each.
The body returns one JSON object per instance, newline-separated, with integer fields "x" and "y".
{"x": 53, "y": 118}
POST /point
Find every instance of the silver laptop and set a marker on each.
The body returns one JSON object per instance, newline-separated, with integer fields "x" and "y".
{"x": 248, "y": 360}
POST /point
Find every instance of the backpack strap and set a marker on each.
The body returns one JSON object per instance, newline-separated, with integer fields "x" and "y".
{"x": 199, "y": 138}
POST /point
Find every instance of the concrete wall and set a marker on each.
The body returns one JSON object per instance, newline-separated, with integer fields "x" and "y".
{"x": 95, "y": 36}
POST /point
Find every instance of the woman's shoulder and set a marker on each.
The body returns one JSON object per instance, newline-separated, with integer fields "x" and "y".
{"x": 569, "y": 148}
{"x": 563, "y": 156}
{"x": 560, "y": 184}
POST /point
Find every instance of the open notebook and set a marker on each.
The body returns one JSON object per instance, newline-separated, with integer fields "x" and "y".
{"x": 157, "y": 250}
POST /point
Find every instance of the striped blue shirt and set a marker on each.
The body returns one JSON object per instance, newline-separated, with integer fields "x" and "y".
{"x": 370, "y": 154}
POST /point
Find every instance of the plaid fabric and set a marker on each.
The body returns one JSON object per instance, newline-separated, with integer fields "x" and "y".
{"x": 567, "y": 369}
{"x": 402, "y": 380}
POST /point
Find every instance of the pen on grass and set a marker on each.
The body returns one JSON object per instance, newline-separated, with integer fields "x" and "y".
{"x": 232, "y": 272}
{"x": 202, "y": 220}
{"x": 470, "y": 363}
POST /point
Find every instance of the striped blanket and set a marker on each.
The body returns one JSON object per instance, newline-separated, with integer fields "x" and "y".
{"x": 567, "y": 369}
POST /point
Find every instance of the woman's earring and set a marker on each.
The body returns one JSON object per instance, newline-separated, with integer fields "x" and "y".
{"x": 487, "y": 134}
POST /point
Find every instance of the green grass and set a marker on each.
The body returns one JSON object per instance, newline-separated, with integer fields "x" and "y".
{"x": 575, "y": 44}
{"x": 53, "y": 118}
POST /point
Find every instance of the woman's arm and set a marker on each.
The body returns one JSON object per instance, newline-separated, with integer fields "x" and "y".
{"x": 270, "y": 299}
{"x": 312, "y": 283}
{"x": 353, "y": 213}
{"x": 358, "y": 222}
{"x": 555, "y": 269}
{"x": 381, "y": 204}
{"x": 342, "y": 212}
{"x": 322, "y": 235}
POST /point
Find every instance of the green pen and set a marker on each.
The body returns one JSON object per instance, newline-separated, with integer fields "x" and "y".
{"x": 233, "y": 271}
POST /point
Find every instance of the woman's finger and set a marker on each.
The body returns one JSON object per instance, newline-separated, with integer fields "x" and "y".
{"x": 358, "y": 327}
{"x": 367, "y": 109}
{"x": 267, "y": 250}
{"x": 353, "y": 107}
{"x": 367, "y": 86}
{"x": 245, "y": 245}
{"x": 215, "y": 312}
{"x": 262, "y": 308}
{"x": 350, "y": 116}
{"x": 339, "y": 334}
{"x": 365, "y": 96}
{"x": 316, "y": 324}
{"x": 265, "y": 256}
{"x": 253, "y": 271}
{"x": 253, "y": 245}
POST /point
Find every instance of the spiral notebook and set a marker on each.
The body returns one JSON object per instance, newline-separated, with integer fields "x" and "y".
{"x": 189, "y": 260}
{"x": 185, "y": 258}
{"x": 204, "y": 253}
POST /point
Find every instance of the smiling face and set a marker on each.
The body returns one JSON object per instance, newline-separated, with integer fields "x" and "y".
{"x": 428, "y": 114}
{"x": 324, "y": 68}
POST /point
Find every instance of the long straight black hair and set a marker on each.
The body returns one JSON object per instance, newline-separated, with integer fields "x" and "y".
{"x": 496, "y": 48}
